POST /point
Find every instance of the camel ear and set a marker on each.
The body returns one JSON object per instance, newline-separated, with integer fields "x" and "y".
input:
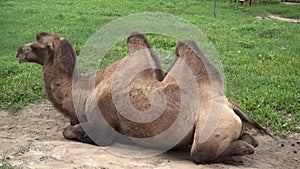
{"x": 40, "y": 35}
{"x": 137, "y": 41}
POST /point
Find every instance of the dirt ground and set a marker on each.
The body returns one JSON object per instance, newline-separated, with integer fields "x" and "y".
{"x": 33, "y": 138}
{"x": 276, "y": 17}
{"x": 284, "y": 19}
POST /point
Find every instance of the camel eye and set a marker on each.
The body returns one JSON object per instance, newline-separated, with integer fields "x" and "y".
{"x": 34, "y": 48}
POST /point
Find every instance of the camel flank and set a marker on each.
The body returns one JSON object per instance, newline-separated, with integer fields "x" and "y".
{"x": 57, "y": 57}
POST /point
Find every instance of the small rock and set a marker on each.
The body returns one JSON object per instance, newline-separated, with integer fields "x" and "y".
{"x": 295, "y": 151}
{"x": 43, "y": 158}
{"x": 293, "y": 144}
{"x": 282, "y": 145}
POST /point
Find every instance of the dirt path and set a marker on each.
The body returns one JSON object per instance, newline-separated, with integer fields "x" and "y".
{"x": 277, "y": 17}
{"x": 284, "y": 19}
{"x": 32, "y": 139}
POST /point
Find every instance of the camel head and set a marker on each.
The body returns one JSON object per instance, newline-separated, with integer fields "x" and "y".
{"x": 45, "y": 49}
{"x": 41, "y": 51}
{"x": 49, "y": 49}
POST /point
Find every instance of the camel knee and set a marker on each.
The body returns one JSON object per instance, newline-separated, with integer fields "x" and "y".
{"x": 203, "y": 155}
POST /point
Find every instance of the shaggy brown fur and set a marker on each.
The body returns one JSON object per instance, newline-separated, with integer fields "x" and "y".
{"x": 57, "y": 57}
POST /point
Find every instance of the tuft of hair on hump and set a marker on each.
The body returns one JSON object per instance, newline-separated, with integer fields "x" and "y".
{"x": 185, "y": 45}
{"x": 188, "y": 50}
{"x": 137, "y": 41}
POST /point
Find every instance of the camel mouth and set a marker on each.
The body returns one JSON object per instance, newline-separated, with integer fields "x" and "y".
{"x": 21, "y": 59}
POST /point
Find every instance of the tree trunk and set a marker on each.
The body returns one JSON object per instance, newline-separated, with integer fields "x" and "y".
{"x": 215, "y": 5}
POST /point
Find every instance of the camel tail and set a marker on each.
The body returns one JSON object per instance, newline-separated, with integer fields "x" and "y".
{"x": 248, "y": 121}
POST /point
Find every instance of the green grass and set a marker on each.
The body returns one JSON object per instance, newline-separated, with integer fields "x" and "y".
{"x": 4, "y": 163}
{"x": 260, "y": 57}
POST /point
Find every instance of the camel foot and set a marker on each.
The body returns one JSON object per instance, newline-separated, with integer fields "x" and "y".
{"x": 246, "y": 137}
{"x": 95, "y": 136}
{"x": 238, "y": 148}
{"x": 76, "y": 132}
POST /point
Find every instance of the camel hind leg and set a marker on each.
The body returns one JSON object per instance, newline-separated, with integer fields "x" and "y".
{"x": 216, "y": 125}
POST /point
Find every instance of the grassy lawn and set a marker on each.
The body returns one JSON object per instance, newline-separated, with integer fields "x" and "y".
{"x": 261, "y": 58}
{"x": 4, "y": 164}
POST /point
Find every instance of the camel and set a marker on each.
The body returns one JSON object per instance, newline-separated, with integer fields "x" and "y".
{"x": 194, "y": 112}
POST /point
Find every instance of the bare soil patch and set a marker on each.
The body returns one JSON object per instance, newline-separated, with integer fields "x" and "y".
{"x": 33, "y": 139}
{"x": 277, "y": 17}
{"x": 291, "y": 3}
{"x": 284, "y": 19}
